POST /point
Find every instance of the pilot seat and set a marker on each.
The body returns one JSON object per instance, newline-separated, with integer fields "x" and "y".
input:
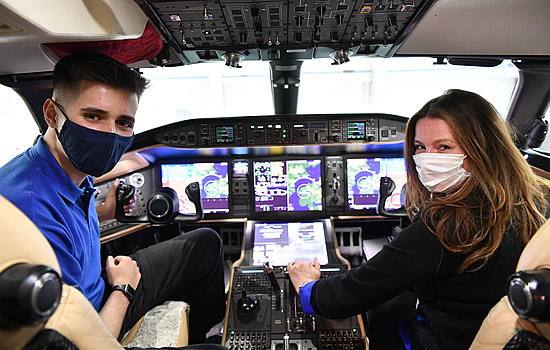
{"x": 521, "y": 320}
{"x": 37, "y": 311}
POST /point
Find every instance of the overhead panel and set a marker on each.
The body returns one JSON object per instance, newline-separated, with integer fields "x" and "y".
{"x": 205, "y": 30}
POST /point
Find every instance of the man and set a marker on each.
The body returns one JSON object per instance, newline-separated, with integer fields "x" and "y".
{"x": 90, "y": 121}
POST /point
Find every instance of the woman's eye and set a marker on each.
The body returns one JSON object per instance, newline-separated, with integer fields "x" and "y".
{"x": 419, "y": 147}
{"x": 444, "y": 147}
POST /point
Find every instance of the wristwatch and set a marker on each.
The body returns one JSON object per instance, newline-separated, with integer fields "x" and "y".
{"x": 127, "y": 289}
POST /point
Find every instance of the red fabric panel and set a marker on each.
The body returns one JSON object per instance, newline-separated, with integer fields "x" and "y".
{"x": 126, "y": 51}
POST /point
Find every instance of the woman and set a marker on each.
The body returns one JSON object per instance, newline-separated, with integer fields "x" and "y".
{"x": 474, "y": 202}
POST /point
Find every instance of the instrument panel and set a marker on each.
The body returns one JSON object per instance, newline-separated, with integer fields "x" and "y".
{"x": 287, "y": 167}
{"x": 277, "y": 130}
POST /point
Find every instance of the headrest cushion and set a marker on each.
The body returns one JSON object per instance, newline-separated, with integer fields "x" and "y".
{"x": 22, "y": 242}
{"x": 536, "y": 254}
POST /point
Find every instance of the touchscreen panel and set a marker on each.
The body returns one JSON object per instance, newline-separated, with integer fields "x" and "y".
{"x": 292, "y": 185}
{"x": 281, "y": 243}
{"x": 212, "y": 178}
{"x": 363, "y": 179}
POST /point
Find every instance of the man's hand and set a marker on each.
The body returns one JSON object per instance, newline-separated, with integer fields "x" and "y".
{"x": 301, "y": 272}
{"x": 122, "y": 270}
{"x": 106, "y": 211}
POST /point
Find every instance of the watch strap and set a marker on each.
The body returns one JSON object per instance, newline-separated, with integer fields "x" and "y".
{"x": 127, "y": 289}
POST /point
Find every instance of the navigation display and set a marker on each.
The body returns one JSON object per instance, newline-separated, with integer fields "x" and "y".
{"x": 281, "y": 243}
{"x": 363, "y": 178}
{"x": 213, "y": 181}
{"x": 292, "y": 185}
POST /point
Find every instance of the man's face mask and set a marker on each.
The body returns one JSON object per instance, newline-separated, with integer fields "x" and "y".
{"x": 91, "y": 151}
{"x": 440, "y": 172}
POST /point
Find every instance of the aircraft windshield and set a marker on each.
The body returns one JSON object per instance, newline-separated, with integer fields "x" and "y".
{"x": 397, "y": 86}
{"x": 212, "y": 90}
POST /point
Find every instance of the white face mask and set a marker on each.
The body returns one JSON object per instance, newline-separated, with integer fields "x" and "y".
{"x": 440, "y": 172}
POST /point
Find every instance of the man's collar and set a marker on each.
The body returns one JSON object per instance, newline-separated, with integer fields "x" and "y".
{"x": 57, "y": 176}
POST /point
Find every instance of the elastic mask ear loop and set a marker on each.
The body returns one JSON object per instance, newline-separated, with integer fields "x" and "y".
{"x": 62, "y": 112}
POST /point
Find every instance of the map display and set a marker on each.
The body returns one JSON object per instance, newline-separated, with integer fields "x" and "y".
{"x": 281, "y": 243}
{"x": 363, "y": 179}
{"x": 212, "y": 179}
{"x": 292, "y": 185}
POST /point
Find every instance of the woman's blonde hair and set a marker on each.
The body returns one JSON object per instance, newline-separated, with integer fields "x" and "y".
{"x": 501, "y": 195}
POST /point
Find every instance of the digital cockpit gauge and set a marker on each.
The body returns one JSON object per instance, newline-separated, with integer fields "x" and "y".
{"x": 356, "y": 130}
{"x": 240, "y": 168}
{"x": 224, "y": 134}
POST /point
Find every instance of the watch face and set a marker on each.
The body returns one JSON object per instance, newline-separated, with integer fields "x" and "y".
{"x": 128, "y": 291}
{"x": 131, "y": 290}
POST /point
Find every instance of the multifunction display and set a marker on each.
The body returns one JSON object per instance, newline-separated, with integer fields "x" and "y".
{"x": 291, "y": 185}
{"x": 213, "y": 181}
{"x": 363, "y": 180}
{"x": 281, "y": 243}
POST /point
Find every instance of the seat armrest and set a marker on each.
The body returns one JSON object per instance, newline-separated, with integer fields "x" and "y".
{"x": 500, "y": 325}
{"x": 78, "y": 321}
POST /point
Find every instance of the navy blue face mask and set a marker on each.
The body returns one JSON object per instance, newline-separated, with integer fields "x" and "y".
{"x": 91, "y": 151}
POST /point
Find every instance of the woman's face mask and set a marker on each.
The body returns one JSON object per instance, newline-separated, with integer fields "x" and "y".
{"x": 93, "y": 152}
{"x": 440, "y": 172}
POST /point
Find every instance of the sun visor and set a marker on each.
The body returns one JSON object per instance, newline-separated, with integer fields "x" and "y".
{"x": 126, "y": 51}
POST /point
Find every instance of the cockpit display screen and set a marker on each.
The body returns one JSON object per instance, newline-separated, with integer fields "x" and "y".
{"x": 356, "y": 130}
{"x": 291, "y": 185}
{"x": 281, "y": 243}
{"x": 224, "y": 134}
{"x": 363, "y": 179}
{"x": 213, "y": 181}
{"x": 240, "y": 168}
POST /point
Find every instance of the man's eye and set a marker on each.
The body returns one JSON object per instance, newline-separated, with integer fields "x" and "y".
{"x": 91, "y": 116}
{"x": 126, "y": 124}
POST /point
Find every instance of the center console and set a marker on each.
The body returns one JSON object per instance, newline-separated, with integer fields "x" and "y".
{"x": 264, "y": 311}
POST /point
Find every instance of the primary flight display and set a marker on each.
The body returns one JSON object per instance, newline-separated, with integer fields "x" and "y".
{"x": 213, "y": 181}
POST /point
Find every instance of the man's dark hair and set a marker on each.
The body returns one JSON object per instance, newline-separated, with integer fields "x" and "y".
{"x": 71, "y": 70}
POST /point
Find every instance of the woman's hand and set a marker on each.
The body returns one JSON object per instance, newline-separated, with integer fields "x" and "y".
{"x": 303, "y": 272}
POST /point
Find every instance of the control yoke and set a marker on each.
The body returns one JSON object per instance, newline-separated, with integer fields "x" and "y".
{"x": 386, "y": 188}
{"x": 162, "y": 207}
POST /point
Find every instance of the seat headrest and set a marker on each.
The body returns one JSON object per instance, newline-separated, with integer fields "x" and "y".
{"x": 536, "y": 254}
{"x": 22, "y": 242}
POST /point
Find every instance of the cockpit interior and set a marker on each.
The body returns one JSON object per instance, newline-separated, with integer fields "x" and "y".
{"x": 288, "y": 185}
